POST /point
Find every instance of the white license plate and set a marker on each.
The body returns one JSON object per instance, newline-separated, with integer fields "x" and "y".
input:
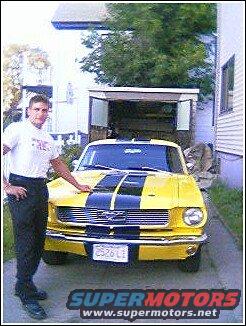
{"x": 110, "y": 252}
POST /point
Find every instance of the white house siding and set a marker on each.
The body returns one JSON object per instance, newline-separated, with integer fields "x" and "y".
{"x": 231, "y": 169}
{"x": 229, "y": 131}
{"x": 66, "y": 117}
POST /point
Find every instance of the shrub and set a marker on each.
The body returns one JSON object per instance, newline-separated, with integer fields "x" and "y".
{"x": 8, "y": 240}
{"x": 69, "y": 154}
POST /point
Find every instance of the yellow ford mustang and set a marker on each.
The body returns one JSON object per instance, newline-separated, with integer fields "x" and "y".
{"x": 144, "y": 206}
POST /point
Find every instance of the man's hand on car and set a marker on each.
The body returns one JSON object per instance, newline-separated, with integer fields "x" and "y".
{"x": 84, "y": 188}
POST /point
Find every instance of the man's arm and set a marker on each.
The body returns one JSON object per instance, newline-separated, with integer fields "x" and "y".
{"x": 19, "y": 192}
{"x": 61, "y": 168}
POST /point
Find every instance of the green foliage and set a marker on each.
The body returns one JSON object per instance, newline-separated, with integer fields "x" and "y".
{"x": 153, "y": 45}
{"x": 69, "y": 154}
{"x": 8, "y": 240}
{"x": 13, "y": 58}
{"x": 229, "y": 203}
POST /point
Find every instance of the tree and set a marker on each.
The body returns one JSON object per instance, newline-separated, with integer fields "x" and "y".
{"x": 13, "y": 55}
{"x": 153, "y": 45}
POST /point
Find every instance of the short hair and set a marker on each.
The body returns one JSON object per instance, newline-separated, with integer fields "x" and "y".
{"x": 39, "y": 98}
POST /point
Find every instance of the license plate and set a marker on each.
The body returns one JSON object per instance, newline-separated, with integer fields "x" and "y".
{"x": 110, "y": 252}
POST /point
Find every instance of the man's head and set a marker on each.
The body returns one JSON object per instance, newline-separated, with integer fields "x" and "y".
{"x": 38, "y": 110}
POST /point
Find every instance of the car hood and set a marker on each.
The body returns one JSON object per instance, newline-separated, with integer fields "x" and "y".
{"x": 132, "y": 190}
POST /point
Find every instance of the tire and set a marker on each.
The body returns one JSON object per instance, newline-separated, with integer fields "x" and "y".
{"x": 54, "y": 257}
{"x": 192, "y": 263}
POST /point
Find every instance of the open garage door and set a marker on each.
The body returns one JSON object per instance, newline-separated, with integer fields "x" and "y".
{"x": 143, "y": 112}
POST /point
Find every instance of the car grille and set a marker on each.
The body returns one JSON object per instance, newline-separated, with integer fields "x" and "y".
{"x": 127, "y": 217}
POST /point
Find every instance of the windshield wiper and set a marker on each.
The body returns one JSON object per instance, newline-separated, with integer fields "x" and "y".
{"x": 145, "y": 168}
{"x": 98, "y": 166}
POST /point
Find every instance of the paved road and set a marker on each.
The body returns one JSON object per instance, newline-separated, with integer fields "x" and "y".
{"x": 221, "y": 268}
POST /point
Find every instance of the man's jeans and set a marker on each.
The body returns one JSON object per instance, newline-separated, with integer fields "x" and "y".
{"x": 29, "y": 216}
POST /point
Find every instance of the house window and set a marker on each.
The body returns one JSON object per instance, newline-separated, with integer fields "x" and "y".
{"x": 227, "y": 86}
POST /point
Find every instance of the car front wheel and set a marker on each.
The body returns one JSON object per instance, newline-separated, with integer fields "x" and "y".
{"x": 54, "y": 257}
{"x": 192, "y": 263}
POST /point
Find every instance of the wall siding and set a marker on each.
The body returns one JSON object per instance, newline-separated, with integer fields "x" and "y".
{"x": 229, "y": 126}
{"x": 231, "y": 169}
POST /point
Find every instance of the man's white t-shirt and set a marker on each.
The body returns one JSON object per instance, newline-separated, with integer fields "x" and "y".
{"x": 31, "y": 149}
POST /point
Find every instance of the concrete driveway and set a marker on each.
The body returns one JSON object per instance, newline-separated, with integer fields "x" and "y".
{"x": 221, "y": 268}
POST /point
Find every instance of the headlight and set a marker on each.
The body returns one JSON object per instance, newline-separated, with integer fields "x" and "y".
{"x": 193, "y": 216}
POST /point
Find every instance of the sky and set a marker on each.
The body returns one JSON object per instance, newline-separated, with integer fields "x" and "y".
{"x": 28, "y": 22}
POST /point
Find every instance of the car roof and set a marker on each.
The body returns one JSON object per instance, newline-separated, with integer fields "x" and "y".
{"x": 133, "y": 141}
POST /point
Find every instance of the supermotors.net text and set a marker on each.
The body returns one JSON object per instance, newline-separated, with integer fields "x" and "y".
{"x": 152, "y": 303}
{"x": 132, "y": 315}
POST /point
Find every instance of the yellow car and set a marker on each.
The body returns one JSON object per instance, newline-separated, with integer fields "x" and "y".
{"x": 144, "y": 206}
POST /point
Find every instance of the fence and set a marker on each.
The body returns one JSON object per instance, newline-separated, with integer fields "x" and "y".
{"x": 60, "y": 141}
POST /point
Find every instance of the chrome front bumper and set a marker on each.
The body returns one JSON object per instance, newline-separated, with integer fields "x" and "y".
{"x": 143, "y": 241}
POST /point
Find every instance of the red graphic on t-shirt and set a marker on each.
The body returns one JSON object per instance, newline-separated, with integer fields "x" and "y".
{"x": 41, "y": 144}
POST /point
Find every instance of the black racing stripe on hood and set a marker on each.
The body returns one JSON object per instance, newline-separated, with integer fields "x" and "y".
{"x": 102, "y": 193}
{"x": 130, "y": 191}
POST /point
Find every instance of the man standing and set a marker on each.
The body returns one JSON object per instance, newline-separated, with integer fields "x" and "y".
{"x": 32, "y": 150}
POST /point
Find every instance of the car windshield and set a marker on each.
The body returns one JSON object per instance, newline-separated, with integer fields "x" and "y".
{"x": 145, "y": 157}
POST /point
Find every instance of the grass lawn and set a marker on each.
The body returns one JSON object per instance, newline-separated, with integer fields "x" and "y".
{"x": 229, "y": 203}
{"x": 8, "y": 243}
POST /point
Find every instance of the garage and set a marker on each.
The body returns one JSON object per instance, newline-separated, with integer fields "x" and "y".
{"x": 160, "y": 113}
